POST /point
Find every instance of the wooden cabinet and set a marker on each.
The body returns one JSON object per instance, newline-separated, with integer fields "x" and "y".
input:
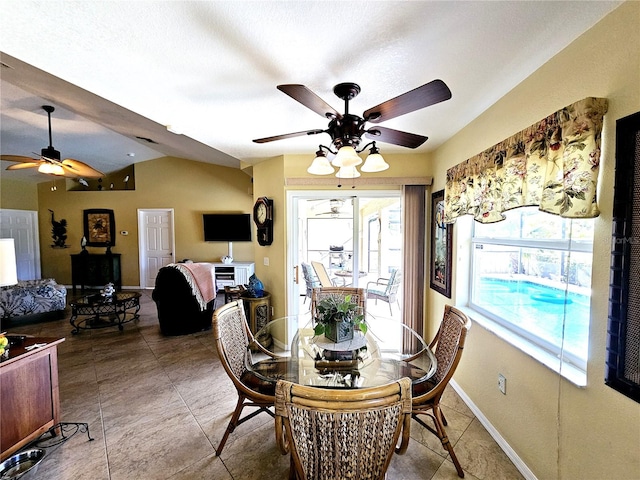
{"x": 232, "y": 274}
{"x": 90, "y": 269}
{"x": 29, "y": 394}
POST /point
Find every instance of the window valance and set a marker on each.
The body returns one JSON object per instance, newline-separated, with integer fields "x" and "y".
{"x": 553, "y": 164}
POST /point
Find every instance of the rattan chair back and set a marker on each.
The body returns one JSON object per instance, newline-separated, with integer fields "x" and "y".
{"x": 358, "y": 296}
{"x": 342, "y": 434}
{"x": 448, "y": 345}
{"x": 233, "y": 337}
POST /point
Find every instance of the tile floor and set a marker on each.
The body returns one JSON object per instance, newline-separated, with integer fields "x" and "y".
{"x": 157, "y": 407}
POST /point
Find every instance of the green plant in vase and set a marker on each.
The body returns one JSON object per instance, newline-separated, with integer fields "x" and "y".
{"x": 337, "y": 317}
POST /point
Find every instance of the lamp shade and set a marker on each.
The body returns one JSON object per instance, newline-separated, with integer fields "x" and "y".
{"x": 347, "y": 157}
{"x": 374, "y": 163}
{"x": 8, "y": 270}
{"x": 348, "y": 172}
{"x": 320, "y": 166}
{"x": 50, "y": 169}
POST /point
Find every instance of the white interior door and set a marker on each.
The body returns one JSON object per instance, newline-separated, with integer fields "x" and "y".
{"x": 22, "y": 226}
{"x": 156, "y": 243}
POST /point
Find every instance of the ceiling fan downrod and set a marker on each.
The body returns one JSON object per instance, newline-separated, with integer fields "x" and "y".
{"x": 50, "y": 152}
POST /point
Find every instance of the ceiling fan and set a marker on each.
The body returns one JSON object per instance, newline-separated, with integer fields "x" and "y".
{"x": 49, "y": 161}
{"x": 346, "y": 130}
{"x": 335, "y": 205}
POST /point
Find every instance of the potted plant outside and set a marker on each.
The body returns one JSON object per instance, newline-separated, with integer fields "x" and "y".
{"x": 337, "y": 316}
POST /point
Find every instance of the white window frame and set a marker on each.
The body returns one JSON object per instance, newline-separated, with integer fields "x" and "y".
{"x": 565, "y": 363}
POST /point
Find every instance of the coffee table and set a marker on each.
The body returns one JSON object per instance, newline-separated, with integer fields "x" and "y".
{"x": 101, "y": 311}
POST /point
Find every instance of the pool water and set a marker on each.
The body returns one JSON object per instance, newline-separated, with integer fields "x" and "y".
{"x": 539, "y": 309}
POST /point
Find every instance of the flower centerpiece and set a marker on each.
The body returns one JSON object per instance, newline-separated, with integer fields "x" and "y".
{"x": 337, "y": 316}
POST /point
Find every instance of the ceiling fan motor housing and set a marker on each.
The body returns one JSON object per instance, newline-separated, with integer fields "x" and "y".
{"x": 50, "y": 153}
{"x": 346, "y": 131}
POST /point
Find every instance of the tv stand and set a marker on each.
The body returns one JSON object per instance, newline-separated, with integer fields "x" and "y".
{"x": 232, "y": 274}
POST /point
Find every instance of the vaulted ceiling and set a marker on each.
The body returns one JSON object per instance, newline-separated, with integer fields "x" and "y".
{"x": 119, "y": 73}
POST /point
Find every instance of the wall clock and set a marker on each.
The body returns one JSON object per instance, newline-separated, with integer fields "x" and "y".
{"x": 263, "y": 218}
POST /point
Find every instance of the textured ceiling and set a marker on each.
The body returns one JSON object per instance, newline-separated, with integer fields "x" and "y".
{"x": 120, "y": 70}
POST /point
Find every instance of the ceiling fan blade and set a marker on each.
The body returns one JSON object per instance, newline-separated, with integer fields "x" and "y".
{"x": 309, "y": 99}
{"x": 17, "y": 158}
{"x": 288, "y": 135}
{"x": 80, "y": 169}
{"x": 431, "y": 93}
{"x": 389, "y": 135}
{"x": 20, "y": 166}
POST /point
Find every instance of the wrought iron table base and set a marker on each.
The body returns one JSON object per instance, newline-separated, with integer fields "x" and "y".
{"x": 104, "y": 314}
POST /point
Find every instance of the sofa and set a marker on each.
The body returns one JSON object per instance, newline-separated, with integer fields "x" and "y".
{"x": 179, "y": 310}
{"x": 32, "y": 300}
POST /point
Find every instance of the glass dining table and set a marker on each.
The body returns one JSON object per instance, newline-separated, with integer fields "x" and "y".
{"x": 287, "y": 348}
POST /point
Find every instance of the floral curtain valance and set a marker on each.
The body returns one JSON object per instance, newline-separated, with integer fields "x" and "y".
{"x": 553, "y": 164}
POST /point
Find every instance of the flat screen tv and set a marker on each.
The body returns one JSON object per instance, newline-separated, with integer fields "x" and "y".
{"x": 227, "y": 227}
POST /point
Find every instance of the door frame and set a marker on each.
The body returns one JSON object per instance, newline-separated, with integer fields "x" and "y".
{"x": 293, "y": 231}
{"x": 142, "y": 241}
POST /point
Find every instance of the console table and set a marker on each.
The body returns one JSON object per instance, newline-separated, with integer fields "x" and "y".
{"x": 95, "y": 270}
{"x": 31, "y": 375}
{"x": 232, "y": 274}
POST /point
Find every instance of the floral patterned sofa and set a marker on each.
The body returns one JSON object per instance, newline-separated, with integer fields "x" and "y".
{"x": 29, "y": 299}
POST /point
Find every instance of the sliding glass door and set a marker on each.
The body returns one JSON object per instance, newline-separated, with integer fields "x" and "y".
{"x": 357, "y": 238}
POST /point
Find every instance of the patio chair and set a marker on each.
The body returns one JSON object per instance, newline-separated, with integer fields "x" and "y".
{"x": 310, "y": 279}
{"x": 339, "y": 434}
{"x": 386, "y": 289}
{"x": 448, "y": 344}
{"x": 233, "y": 338}
{"x": 322, "y": 275}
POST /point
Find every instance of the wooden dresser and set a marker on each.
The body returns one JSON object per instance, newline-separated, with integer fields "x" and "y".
{"x": 29, "y": 394}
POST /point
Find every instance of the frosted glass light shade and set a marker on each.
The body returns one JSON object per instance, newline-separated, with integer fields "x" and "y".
{"x": 348, "y": 172}
{"x": 374, "y": 163}
{"x": 8, "y": 269}
{"x": 320, "y": 166}
{"x": 347, "y": 157}
{"x": 50, "y": 169}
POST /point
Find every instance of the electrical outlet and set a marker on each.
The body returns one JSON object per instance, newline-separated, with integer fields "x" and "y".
{"x": 502, "y": 384}
{"x": 265, "y": 260}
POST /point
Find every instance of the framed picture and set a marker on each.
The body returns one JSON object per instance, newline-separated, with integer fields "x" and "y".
{"x": 99, "y": 227}
{"x": 441, "y": 246}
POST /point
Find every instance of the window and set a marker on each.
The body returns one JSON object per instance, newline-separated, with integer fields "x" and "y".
{"x": 531, "y": 273}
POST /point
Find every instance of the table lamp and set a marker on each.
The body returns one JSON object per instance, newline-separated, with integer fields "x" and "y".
{"x": 8, "y": 270}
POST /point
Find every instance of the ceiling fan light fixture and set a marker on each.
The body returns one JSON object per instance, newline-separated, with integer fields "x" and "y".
{"x": 347, "y": 157}
{"x": 348, "y": 172}
{"x": 50, "y": 169}
{"x": 374, "y": 162}
{"x": 320, "y": 165}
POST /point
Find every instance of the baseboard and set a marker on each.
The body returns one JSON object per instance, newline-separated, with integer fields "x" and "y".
{"x": 502, "y": 443}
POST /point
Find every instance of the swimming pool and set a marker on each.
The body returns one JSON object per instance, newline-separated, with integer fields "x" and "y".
{"x": 540, "y": 309}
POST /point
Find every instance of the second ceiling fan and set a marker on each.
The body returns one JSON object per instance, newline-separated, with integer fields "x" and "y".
{"x": 50, "y": 162}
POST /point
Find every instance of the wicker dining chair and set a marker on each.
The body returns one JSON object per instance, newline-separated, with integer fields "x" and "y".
{"x": 340, "y": 434}
{"x": 233, "y": 338}
{"x": 358, "y": 295}
{"x": 447, "y": 345}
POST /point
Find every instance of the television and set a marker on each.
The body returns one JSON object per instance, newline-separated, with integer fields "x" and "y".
{"x": 227, "y": 227}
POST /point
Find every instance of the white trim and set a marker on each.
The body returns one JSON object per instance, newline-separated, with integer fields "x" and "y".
{"x": 502, "y": 443}
{"x": 569, "y": 371}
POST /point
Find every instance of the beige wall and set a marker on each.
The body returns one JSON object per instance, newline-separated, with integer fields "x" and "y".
{"x": 559, "y": 430}
{"x": 190, "y": 188}
{"x": 16, "y": 194}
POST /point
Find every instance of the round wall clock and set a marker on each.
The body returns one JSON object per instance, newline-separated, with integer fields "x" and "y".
{"x": 263, "y": 218}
